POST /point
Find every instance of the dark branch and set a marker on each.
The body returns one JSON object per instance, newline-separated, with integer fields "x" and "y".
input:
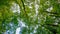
{"x": 53, "y": 30}
{"x": 24, "y": 8}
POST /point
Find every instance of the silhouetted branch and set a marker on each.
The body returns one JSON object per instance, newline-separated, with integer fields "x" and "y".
{"x": 53, "y": 14}
{"x": 24, "y": 8}
{"x": 48, "y": 26}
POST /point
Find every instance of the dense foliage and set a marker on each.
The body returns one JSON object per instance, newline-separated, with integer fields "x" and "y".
{"x": 39, "y": 16}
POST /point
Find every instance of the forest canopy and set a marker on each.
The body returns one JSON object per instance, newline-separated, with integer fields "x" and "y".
{"x": 39, "y": 16}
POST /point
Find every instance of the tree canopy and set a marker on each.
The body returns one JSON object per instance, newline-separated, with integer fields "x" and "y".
{"x": 39, "y": 16}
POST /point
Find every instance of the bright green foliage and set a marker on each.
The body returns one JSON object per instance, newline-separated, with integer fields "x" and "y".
{"x": 5, "y": 14}
{"x": 43, "y": 16}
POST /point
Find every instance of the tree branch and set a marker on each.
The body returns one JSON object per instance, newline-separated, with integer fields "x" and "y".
{"x": 24, "y": 8}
